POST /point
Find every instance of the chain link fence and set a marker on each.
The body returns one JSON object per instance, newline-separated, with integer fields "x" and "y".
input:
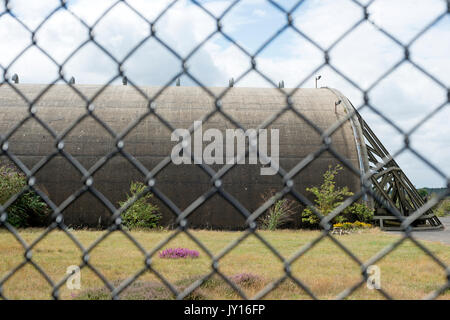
{"x": 215, "y": 176}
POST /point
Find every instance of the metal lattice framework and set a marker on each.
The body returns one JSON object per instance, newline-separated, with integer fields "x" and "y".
{"x": 394, "y": 187}
{"x": 391, "y": 184}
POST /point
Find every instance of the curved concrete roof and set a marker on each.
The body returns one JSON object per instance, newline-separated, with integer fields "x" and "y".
{"x": 149, "y": 142}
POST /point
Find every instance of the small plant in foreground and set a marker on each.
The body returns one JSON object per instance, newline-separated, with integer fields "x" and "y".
{"x": 29, "y": 210}
{"x": 246, "y": 279}
{"x": 329, "y": 197}
{"x": 178, "y": 253}
{"x": 280, "y": 213}
{"x": 142, "y": 213}
{"x": 141, "y": 290}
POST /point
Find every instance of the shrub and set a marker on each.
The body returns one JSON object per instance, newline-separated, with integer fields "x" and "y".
{"x": 361, "y": 225}
{"x": 443, "y": 208}
{"x": 29, "y": 210}
{"x": 142, "y": 213}
{"x": 423, "y": 193}
{"x": 328, "y": 197}
{"x": 352, "y": 225}
{"x": 178, "y": 253}
{"x": 358, "y": 212}
{"x": 278, "y": 214}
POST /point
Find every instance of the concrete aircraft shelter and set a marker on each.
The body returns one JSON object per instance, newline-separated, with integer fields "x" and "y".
{"x": 150, "y": 143}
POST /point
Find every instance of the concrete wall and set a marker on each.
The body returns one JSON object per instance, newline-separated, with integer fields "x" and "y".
{"x": 149, "y": 142}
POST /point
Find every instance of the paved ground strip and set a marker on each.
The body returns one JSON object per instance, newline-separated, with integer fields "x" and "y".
{"x": 442, "y": 236}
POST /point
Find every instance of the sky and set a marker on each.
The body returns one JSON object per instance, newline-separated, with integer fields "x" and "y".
{"x": 405, "y": 96}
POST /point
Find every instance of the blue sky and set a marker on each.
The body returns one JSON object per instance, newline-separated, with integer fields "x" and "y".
{"x": 405, "y": 96}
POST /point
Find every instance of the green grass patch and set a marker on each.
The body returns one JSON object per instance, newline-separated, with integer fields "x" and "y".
{"x": 406, "y": 273}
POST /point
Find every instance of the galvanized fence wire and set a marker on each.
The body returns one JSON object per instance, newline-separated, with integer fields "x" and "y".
{"x": 215, "y": 176}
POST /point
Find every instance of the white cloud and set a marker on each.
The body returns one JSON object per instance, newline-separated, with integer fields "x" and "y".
{"x": 325, "y": 20}
{"x": 395, "y": 15}
{"x": 259, "y": 13}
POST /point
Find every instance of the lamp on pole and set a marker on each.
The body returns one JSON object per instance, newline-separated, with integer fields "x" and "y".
{"x": 336, "y": 104}
{"x": 317, "y": 78}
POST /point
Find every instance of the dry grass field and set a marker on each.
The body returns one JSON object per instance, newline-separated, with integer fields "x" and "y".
{"x": 406, "y": 273}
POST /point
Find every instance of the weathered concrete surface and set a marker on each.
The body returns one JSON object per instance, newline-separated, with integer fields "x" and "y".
{"x": 150, "y": 143}
{"x": 442, "y": 236}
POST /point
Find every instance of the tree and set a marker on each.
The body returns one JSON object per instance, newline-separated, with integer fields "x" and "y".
{"x": 423, "y": 193}
{"x": 328, "y": 197}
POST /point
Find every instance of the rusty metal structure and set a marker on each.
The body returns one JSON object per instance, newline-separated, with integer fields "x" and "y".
{"x": 397, "y": 196}
{"x": 391, "y": 184}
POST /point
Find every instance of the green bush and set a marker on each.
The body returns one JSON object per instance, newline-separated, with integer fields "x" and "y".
{"x": 352, "y": 225}
{"x": 423, "y": 193}
{"x": 278, "y": 214}
{"x": 328, "y": 197}
{"x": 142, "y": 213}
{"x": 29, "y": 210}
{"x": 358, "y": 212}
{"x": 443, "y": 208}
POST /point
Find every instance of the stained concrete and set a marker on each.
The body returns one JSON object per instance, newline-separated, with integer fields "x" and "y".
{"x": 119, "y": 107}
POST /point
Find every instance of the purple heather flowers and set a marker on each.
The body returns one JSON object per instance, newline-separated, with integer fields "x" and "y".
{"x": 178, "y": 253}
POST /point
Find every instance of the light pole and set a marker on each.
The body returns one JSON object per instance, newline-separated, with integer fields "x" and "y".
{"x": 336, "y": 104}
{"x": 317, "y": 78}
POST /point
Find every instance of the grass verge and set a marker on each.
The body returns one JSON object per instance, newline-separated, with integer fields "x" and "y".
{"x": 406, "y": 273}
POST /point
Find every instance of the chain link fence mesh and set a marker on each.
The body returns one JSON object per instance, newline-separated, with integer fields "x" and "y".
{"x": 215, "y": 176}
